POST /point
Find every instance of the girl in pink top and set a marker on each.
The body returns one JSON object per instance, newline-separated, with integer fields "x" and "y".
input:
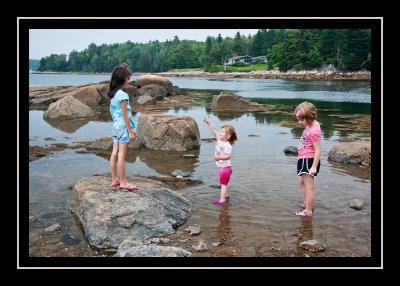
{"x": 309, "y": 154}
{"x": 223, "y": 151}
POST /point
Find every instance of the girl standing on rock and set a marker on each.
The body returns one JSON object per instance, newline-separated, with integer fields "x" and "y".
{"x": 223, "y": 150}
{"x": 309, "y": 154}
{"x": 122, "y": 131}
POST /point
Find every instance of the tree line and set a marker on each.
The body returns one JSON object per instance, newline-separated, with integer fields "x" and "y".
{"x": 285, "y": 49}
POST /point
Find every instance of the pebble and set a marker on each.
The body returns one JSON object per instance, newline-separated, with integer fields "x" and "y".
{"x": 54, "y": 227}
{"x": 200, "y": 246}
{"x": 313, "y": 245}
{"x": 357, "y": 204}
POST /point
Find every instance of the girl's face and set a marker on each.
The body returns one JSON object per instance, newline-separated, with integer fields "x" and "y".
{"x": 224, "y": 135}
{"x": 302, "y": 122}
{"x": 127, "y": 80}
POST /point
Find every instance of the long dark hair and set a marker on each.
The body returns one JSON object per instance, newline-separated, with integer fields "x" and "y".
{"x": 118, "y": 77}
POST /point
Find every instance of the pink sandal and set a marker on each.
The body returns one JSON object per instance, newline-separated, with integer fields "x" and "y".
{"x": 114, "y": 184}
{"x": 303, "y": 213}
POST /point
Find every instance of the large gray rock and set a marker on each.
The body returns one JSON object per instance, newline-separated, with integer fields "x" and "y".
{"x": 106, "y": 143}
{"x": 231, "y": 101}
{"x": 110, "y": 216}
{"x": 68, "y": 107}
{"x": 154, "y": 79}
{"x": 168, "y": 133}
{"x": 358, "y": 152}
{"x": 154, "y": 90}
{"x": 130, "y": 248}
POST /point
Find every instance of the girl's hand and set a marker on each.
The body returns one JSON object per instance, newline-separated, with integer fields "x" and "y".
{"x": 132, "y": 135}
{"x": 313, "y": 170}
{"x": 216, "y": 158}
{"x": 206, "y": 120}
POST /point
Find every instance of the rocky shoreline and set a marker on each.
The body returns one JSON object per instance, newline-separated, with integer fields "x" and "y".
{"x": 264, "y": 74}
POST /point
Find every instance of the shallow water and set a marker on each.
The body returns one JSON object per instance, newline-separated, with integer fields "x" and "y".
{"x": 256, "y": 222}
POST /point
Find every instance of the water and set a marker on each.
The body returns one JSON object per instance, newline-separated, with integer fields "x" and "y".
{"x": 257, "y": 221}
{"x": 334, "y": 91}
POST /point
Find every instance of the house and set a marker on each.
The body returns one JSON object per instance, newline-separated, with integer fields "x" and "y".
{"x": 261, "y": 59}
{"x": 244, "y": 59}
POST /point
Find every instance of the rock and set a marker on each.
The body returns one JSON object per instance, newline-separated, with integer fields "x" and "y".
{"x": 200, "y": 246}
{"x": 111, "y": 216}
{"x": 92, "y": 95}
{"x": 68, "y": 107}
{"x": 70, "y": 240}
{"x": 215, "y": 244}
{"x": 32, "y": 218}
{"x": 49, "y": 139}
{"x": 132, "y": 91}
{"x": 130, "y": 248}
{"x": 188, "y": 155}
{"x": 168, "y": 133}
{"x": 215, "y": 186}
{"x": 181, "y": 173}
{"x": 146, "y": 99}
{"x": 179, "y": 177}
{"x": 194, "y": 230}
{"x": 81, "y": 151}
{"x": 155, "y": 240}
{"x": 164, "y": 240}
{"x": 358, "y": 152}
{"x": 54, "y": 227}
{"x": 154, "y": 90}
{"x": 290, "y": 150}
{"x": 231, "y": 101}
{"x": 313, "y": 245}
{"x": 357, "y": 204}
{"x": 179, "y": 91}
{"x": 154, "y": 79}
{"x": 106, "y": 143}
{"x": 254, "y": 135}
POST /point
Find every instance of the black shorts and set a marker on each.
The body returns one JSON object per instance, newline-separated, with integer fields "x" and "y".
{"x": 304, "y": 165}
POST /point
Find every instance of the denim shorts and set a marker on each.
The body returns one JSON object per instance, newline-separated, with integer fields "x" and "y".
{"x": 120, "y": 134}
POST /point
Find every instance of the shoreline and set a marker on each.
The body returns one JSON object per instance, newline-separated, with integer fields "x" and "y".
{"x": 300, "y": 75}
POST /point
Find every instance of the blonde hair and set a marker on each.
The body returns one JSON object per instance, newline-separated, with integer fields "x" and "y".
{"x": 305, "y": 110}
{"x": 232, "y": 132}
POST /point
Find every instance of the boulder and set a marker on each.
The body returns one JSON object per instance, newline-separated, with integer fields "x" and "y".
{"x": 92, "y": 95}
{"x": 130, "y": 248}
{"x": 68, "y": 107}
{"x": 154, "y": 90}
{"x": 357, "y": 204}
{"x": 110, "y": 216}
{"x": 179, "y": 91}
{"x": 358, "y": 152}
{"x": 132, "y": 91}
{"x": 231, "y": 101}
{"x": 154, "y": 79}
{"x": 168, "y": 133}
{"x": 313, "y": 245}
{"x": 146, "y": 99}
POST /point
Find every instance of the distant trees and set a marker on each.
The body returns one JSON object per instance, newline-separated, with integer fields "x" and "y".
{"x": 286, "y": 49}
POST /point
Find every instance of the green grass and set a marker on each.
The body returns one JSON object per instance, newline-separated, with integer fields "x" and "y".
{"x": 186, "y": 70}
{"x": 255, "y": 67}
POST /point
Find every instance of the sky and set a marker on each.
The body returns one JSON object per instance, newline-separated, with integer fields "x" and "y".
{"x": 43, "y": 42}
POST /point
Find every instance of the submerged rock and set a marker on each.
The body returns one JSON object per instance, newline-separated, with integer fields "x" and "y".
{"x": 200, "y": 246}
{"x": 358, "y": 152}
{"x": 194, "y": 230}
{"x": 68, "y": 107}
{"x": 313, "y": 245}
{"x": 168, "y": 133}
{"x": 154, "y": 90}
{"x": 110, "y": 216}
{"x": 54, "y": 227}
{"x": 357, "y": 204}
{"x": 130, "y": 248}
{"x": 146, "y": 99}
{"x": 181, "y": 173}
{"x": 290, "y": 150}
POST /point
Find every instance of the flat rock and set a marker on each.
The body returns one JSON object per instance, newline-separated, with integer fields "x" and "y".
{"x": 110, "y": 216}
{"x": 290, "y": 150}
{"x": 181, "y": 173}
{"x": 194, "y": 230}
{"x": 68, "y": 107}
{"x": 358, "y": 152}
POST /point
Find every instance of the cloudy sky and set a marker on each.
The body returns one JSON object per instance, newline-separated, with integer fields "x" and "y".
{"x": 44, "y": 42}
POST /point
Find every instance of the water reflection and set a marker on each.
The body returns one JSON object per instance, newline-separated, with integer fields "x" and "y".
{"x": 229, "y": 115}
{"x": 224, "y": 225}
{"x": 305, "y": 229}
{"x": 163, "y": 162}
{"x": 69, "y": 126}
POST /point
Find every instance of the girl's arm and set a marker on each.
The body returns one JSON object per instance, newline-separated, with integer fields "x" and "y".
{"x": 317, "y": 157}
{"x": 124, "y": 106}
{"x": 210, "y": 126}
{"x": 226, "y": 156}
